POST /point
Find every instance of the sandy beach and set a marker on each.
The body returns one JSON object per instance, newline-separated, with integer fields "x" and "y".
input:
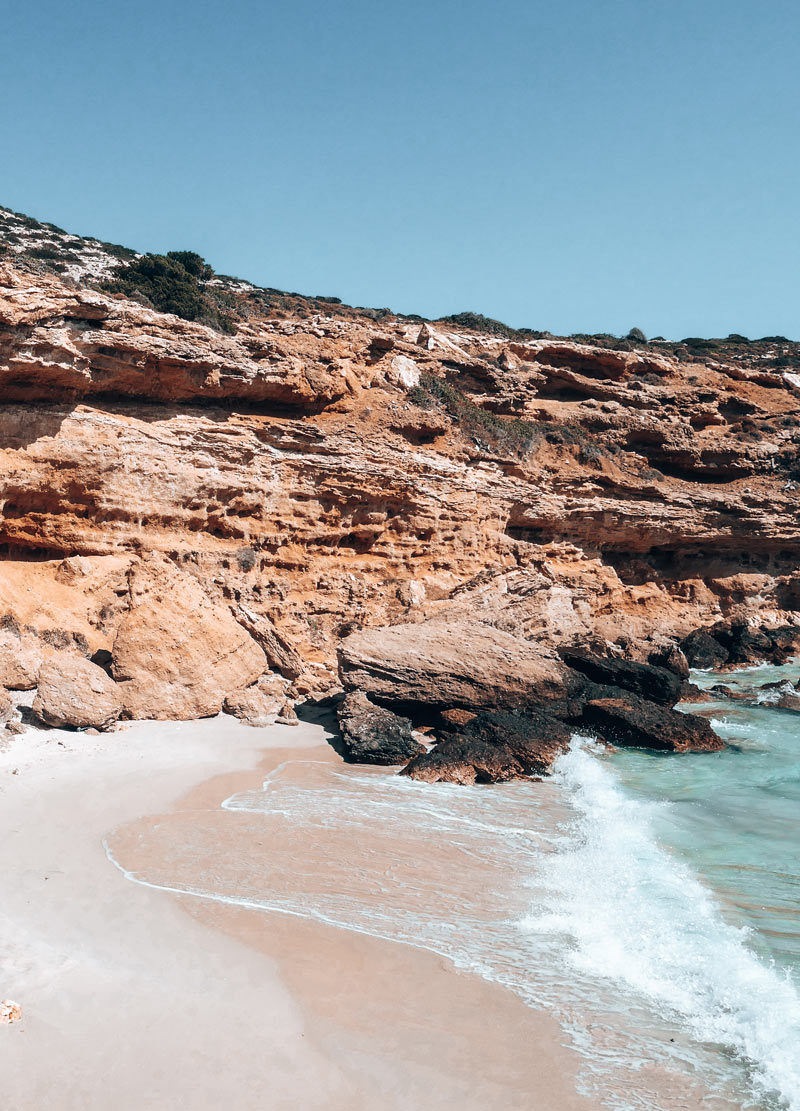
{"x": 136, "y": 998}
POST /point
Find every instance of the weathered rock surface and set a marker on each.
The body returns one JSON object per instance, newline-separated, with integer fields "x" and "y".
{"x": 6, "y": 707}
{"x": 75, "y": 693}
{"x": 279, "y": 653}
{"x": 653, "y": 683}
{"x": 326, "y": 468}
{"x": 439, "y": 665}
{"x": 20, "y": 658}
{"x": 371, "y": 734}
{"x": 176, "y": 654}
{"x": 258, "y": 705}
{"x": 672, "y": 658}
{"x": 633, "y": 721}
{"x": 703, "y": 651}
{"x": 492, "y": 748}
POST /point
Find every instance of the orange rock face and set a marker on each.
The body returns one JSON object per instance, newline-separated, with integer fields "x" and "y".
{"x": 329, "y": 472}
{"x": 177, "y": 655}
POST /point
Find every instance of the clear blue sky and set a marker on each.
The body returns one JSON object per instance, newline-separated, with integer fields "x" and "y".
{"x": 579, "y": 165}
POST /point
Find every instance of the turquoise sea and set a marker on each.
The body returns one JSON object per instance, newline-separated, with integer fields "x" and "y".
{"x": 651, "y": 902}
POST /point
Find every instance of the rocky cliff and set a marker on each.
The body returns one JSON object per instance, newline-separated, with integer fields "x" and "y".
{"x": 330, "y": 468}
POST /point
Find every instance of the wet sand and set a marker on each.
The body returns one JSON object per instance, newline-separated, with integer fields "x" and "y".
{"x": 136, "y": 998}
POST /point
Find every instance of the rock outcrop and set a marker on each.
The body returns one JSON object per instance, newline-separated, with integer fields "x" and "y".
{"x": 6, "y": 707}
{"x": 74, "y": 693}
{"x": 656, "y": 684}
{"x": 641, "y": 724}
{"x": 371, "y": 734}
{"x": 493, "y": 748}
{"x": 439, "y": 665}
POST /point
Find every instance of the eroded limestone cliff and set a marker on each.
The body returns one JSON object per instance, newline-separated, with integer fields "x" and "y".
{"x": 329, "y": 470}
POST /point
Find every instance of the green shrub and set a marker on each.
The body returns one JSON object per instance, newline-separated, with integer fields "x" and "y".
{"x": 171, "y": 283}
{"x": 479, "y": 323}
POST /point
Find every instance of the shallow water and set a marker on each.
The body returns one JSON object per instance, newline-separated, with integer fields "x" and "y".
{"x": 650, "y": 902}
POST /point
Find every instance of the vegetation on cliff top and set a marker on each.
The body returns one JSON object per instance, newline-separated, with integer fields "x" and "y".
{"x": 173, "y": 283}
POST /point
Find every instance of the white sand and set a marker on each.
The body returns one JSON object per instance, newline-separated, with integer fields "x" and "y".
{"x": 129, "y": 1002}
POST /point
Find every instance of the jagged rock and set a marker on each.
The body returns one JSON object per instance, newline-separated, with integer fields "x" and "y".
{"x": 176, "y": 654}
{"x": 75, "y": 693}
{"x": 703, "y": 651}
{"x": 493, "y": 747}
{"x": 743, "y": 644}
{"x": 20, "y": 658}
{"x": 641, "y": 724}
{"x": 15, "y": 728}
{"x": 443, "y": 666}
{"x": 747, "y": 645}
{"x": 280, "y": 654}
{"x": 653, "y": 683}
{"x": 672, "y": 658}
{"x": 374, "y": 735}
{"x": 287, "y": 715}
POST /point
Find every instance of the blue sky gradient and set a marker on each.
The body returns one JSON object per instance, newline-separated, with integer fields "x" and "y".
{"x": 572, "y": 166}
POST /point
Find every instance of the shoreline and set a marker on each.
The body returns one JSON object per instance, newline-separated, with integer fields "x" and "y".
{"x": 120, "y": 983}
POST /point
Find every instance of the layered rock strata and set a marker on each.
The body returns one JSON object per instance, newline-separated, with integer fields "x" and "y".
{"x": 195, "y": 512}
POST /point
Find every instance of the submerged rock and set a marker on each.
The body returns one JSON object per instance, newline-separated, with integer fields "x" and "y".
{"x": 374, "y": 735}
{"x": 75, "y": 693}
{"x": 641, "y": 724}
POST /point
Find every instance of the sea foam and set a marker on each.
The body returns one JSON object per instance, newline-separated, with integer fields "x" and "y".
{"x": 635, "y": 914}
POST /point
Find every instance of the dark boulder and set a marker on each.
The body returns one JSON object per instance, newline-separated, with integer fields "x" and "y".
{"x": 535, "y": 739}
{"x": 703, "y": 650}
{"x": 672, "y": 658}
{"x": 743, "y": 644}
{"x": 493, "y": 747}
{"x": 464, "y": 761}
{"x": 642, "y": 724}
{"x": 785, "y": 642}
{"x": 373, "y": 735}
{"x": 656, "y": 684}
